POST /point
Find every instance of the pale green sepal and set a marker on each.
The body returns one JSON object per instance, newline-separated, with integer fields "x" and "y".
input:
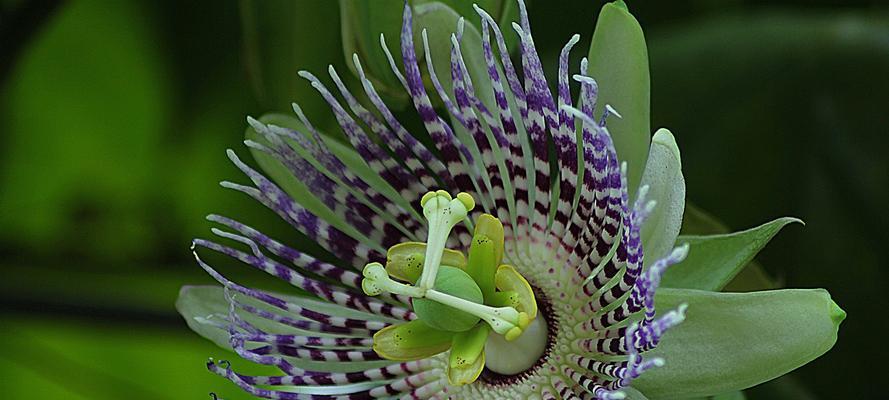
{"x": 332, "y": 390}
{"x": 618, "y": 60}
{"x": 362, "y": 22}
{"x": 752, "y": 278}
{"x": 413, "y": 340}
{"x": 204, "y": 309}
{"x": 344, "y": 152}
{"x": 732, "y": 341}
{"x": 714, "y": 260}
{"x": 666, "y": 186}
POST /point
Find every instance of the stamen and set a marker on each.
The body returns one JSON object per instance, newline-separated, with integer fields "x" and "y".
{"x": 377, "y": 281}
{"x": 503, "y": 320}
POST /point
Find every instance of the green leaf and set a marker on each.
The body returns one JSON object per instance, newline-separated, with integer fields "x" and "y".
{"x": 618, "y": 60}
{"x": 751, "y": 278}
{"x": 663, "y": 175}
{"x": 713, "y": 260}
{"x": 735, "y": 395}
{"x": 732, "y": 341}
{"x": 281, "y": 37}
{"x": 696, "y": 221}
{"x": 75, "y": 164}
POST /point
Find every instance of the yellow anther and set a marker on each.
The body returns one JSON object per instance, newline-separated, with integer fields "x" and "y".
{"x": 513, "y": 334}
{"x": 426, "y": 197}
{"x": 467, "y": 200}
{"x": 376, "y": 281}
{"x": 524, "y": 320}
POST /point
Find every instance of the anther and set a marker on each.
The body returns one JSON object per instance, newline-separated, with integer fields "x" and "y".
{"x": 376, "y": 281}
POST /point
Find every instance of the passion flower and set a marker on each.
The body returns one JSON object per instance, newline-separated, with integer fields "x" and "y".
{"x": 536, "y": 279}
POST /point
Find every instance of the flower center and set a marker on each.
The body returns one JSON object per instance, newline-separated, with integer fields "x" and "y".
{"x": 464, "y": 304}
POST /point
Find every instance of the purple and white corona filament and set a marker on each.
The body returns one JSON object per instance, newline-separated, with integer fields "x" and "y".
{"x": 541, "y": 165}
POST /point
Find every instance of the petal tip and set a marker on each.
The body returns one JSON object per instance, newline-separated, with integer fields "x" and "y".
{"x": 837, "y": 314}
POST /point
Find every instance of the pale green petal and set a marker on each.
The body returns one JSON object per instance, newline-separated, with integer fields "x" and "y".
{"x": 714, "y": 260}
{"x": 619, "y": 62}
{"x": 203, "y": 307}
{"x": 663, "y": 175}
{"x": 732, "y": 341}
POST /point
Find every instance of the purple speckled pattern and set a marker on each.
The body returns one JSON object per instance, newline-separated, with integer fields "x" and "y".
{"x": 567, "y": 215}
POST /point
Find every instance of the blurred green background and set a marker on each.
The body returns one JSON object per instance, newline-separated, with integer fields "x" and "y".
{"x": 114, "y": 118}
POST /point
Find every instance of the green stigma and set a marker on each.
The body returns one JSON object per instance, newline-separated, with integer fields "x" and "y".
{"x": 459, "y": 301}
